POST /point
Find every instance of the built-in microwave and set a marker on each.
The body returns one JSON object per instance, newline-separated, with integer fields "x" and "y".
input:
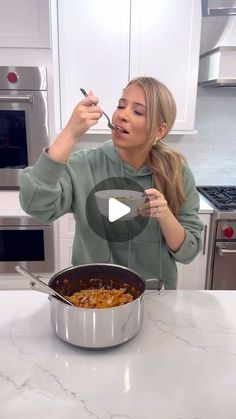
{"x": 27, "y": 242}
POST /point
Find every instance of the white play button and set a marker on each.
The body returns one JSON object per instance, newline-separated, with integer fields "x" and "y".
{"x": 116, "y": 209}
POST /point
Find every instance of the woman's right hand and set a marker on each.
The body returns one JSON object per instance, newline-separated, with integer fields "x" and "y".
{"x": 85, "y": 115}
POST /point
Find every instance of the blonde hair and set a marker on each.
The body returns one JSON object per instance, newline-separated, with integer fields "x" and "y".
{"x": 166, "y": 164}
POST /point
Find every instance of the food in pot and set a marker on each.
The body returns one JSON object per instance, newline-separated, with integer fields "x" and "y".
{"x": 100, "y": 298}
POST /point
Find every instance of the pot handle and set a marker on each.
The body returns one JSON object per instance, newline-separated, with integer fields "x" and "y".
{"x": 42, "y": 287}
{"x": 158, "y": 289}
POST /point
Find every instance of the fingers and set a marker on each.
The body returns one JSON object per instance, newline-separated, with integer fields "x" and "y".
{"x": 94, "y": 112}
{"x": 156, "y": 205}
{"x": 90, "y": 100}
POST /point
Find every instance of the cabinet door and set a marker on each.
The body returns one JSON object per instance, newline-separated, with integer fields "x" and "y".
{"x": 66, "y": 248}
{"x": 93, "y": 53}
{"x": 165, "y": 42}
{"x": 193, "y": 275}
{"x": 67, "y": 226}
{"x": 24, "y": 24}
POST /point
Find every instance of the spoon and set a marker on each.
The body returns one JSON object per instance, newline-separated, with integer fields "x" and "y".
{"x": 110, "y": 125}
{"x": 45, "y": 288}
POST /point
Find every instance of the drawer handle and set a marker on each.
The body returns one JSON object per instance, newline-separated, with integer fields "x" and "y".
{"x": 225, "y": 252}
{"x": 204, "y": 239}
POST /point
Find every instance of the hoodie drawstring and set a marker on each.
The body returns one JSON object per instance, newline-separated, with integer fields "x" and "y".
{"x": 159, "y": 276}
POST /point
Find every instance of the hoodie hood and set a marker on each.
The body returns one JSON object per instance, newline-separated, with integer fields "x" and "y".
{"x": 112, "y": 153}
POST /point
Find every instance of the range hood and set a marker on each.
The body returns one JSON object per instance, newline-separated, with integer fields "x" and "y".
{"x": 217, "y": 10}
{"x": 217, "y": 67}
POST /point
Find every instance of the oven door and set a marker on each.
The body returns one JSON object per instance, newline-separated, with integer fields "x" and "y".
{"x": 224, "y": 271}
{"x": 23, "y": 132}
{"x": 29, "y": 246}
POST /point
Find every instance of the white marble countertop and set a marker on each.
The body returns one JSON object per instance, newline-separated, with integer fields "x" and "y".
{"x": 181, "y": 365}
{"x": 205, "y": 206}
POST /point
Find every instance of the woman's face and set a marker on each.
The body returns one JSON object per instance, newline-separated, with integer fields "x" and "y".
{"x": 130, "y": 119}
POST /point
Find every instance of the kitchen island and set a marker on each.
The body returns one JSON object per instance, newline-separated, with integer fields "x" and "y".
{"x": 181, "y": 365}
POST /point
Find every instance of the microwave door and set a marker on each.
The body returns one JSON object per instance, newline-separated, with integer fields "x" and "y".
{"x": 30, "y": 246}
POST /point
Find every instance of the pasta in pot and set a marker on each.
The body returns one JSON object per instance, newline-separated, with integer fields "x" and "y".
{"x": 100, "y": 298}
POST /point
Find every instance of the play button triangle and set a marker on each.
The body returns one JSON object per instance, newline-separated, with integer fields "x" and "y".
{"x": 116, "y": 209}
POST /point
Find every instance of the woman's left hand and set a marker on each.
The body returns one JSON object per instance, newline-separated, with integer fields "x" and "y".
{"x": 156, "y": 206}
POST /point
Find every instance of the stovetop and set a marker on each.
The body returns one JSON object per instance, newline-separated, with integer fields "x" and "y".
{"x": 223, "y": 197}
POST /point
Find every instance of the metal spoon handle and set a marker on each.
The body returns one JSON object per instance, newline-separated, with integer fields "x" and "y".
{"x": 110, "y": 125}
{"x": 42, "y": 284}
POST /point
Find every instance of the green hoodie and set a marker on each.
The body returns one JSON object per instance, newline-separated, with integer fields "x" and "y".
{"x": 50, "y": 189}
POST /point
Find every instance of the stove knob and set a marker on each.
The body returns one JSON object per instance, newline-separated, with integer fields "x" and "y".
{"x": 228, "y": 232}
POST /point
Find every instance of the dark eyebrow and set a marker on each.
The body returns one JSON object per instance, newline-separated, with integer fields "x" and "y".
{"x": 135, "y": 103}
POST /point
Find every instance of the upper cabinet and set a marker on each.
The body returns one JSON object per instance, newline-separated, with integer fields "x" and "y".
{"x": 104, "y": 44}
{"x": 25, "y": 24}
{"x": 165, "y": 44}
{"x": 93, "y": 52}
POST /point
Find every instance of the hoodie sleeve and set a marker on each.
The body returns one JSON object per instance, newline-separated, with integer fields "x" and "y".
{"x": 191, "y": 222}
{"x": 46, "y": 189}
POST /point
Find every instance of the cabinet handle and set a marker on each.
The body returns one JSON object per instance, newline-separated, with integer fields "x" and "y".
{"x": 204, "y": 239}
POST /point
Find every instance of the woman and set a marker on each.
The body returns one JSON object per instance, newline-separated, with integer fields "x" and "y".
{"x": 61, "y": 181}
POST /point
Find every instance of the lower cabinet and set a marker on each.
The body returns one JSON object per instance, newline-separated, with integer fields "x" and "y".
{"x": 191, "y": 276}
{"x": 66, "y": 246}
{"x": 67, "y": 231}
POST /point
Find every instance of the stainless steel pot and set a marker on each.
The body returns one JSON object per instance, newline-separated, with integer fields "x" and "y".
{"x": 97, "y": 328}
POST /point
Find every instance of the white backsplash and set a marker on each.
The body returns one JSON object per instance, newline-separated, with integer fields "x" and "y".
{"x": 211, "y": 153}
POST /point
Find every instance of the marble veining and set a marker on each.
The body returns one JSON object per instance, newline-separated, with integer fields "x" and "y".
{"x": 181, "y": 365}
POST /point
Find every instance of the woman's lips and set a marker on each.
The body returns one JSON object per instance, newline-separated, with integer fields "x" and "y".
{"x": 120, "y": 130}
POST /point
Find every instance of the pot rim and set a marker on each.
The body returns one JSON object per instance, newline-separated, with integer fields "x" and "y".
{"x": 98, "y": 264}
{"x": 70, "y": 268}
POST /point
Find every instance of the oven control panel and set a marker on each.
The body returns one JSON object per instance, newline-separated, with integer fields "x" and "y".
{"x": 226, "y": 230}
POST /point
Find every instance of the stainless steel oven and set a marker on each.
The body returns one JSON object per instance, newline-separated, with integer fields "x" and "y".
{"x": 224, "y": 266}
{"x": 23, "y": 120}
{"x": 221, "y": 265}
{"x": 27, "y": 242}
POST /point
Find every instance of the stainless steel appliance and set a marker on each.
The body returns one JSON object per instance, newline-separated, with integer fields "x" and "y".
{"x": 28, "y": 242}
{"x": 23, "y": 120}
{"x": 221, "y": 268}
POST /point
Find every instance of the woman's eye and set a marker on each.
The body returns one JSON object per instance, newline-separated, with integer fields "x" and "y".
{"x": 120, "y": 107}
{"x": 139, "y": 113}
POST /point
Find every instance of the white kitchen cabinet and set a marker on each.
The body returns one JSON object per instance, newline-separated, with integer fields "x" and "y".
{"x": 103, "y": 44}
{"x": 193, "y": 275}
{"x": 25, "y": 24}
{"x": 66, "y": 235}
{"x": 66, "y": 248}
{"x": 165, "y": 44}
{"x": 93, "y": 40}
